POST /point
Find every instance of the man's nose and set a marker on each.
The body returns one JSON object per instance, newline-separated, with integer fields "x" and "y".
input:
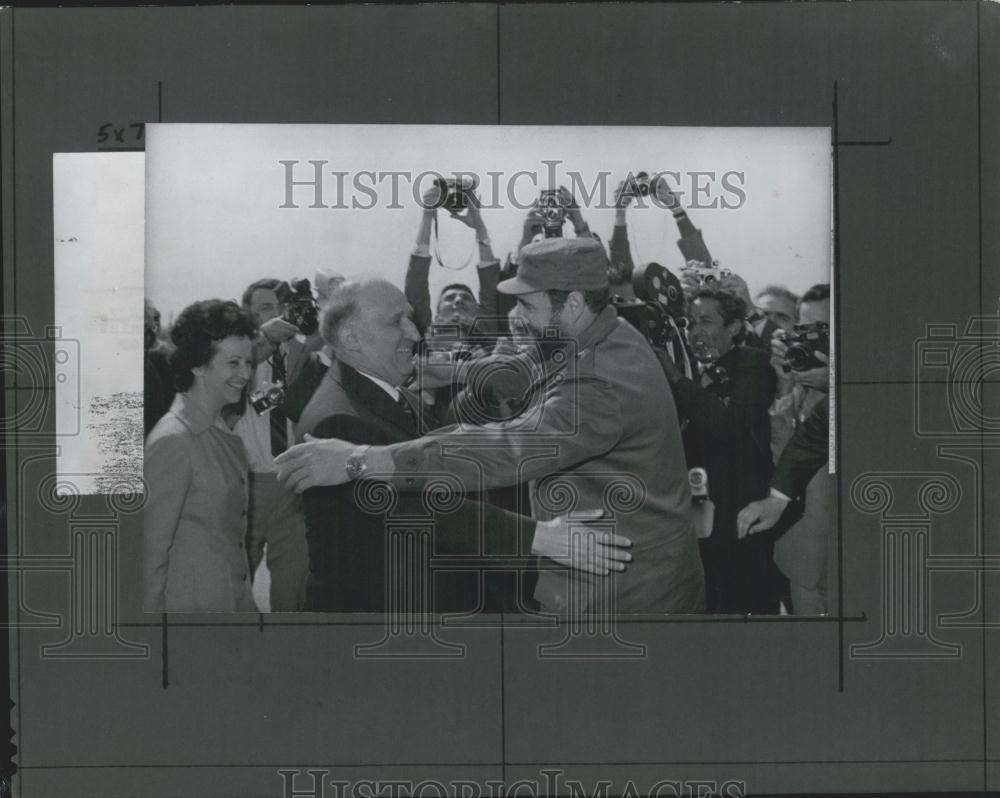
{"x": 410, "y": 330}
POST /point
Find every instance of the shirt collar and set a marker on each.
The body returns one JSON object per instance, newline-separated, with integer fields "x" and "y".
{"x": 389, "y": 389}
{"x": 603, "y": 323}
{"x": 193, "y": 416}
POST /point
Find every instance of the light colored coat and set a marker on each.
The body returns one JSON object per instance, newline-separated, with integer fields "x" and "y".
{"x": 195, "y": 515}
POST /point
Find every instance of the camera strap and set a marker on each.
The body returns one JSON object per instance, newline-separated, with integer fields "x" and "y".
{"x": 436, "y": 249}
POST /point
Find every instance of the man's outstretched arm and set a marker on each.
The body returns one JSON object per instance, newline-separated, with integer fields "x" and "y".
{"x": 578, "y": 419}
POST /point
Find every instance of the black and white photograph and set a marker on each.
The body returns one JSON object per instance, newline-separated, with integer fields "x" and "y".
{"x": 500, "y": 400}
{"x": 581, "y": 349}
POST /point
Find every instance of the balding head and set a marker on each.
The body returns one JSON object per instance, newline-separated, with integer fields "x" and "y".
{"x": 367, "y": 324}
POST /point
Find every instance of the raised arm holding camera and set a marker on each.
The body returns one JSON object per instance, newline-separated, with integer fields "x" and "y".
{"x": 456, "y": 304}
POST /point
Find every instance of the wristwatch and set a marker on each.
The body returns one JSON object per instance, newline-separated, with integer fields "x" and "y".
{"x": 356, "y": 465}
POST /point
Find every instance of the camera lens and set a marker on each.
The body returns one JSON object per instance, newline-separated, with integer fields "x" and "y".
{"x": 798, "y": 357}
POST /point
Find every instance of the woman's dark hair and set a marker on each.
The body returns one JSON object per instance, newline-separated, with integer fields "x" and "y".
{"x": 196, "y": 331}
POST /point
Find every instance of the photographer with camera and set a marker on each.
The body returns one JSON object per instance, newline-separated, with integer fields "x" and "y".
{"x": 656, "y": 284}
{"x": 456, "y": 304}
{"x": 546, "y": 218}
{"x": 726, "y": 412}
{"x": 287, "y": 332}
{"x": 801, "y": 361}
{"x": 691, "y": 243}
{"x": 461, "y": 328}
{"x": 780, "y": 305}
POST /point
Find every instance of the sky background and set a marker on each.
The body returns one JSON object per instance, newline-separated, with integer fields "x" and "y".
{"x": 213, "y": 194}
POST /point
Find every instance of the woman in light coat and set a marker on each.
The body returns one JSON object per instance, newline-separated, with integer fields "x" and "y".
{"x": 196, "y": 471}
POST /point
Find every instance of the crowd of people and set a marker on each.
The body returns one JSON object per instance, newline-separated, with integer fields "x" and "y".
{"x": 520, "y": 447}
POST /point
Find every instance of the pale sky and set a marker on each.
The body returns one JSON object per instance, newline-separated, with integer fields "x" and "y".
{"x": 214, "y": 224}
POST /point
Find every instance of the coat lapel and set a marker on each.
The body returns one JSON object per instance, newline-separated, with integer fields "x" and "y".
{"x": 370, "y": 399}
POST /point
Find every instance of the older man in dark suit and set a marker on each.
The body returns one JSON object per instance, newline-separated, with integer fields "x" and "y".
{"x": 356, "y": 559}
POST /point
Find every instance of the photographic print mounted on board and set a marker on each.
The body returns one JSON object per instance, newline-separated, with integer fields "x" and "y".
{"x": 464, "y": 369}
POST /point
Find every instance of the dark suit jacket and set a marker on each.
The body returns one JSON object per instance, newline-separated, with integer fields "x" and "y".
{"x": 158, "y": 387}
{"x": 806, "y": 452}
{"x": 730, "y": 432}
{"x": 346, "y": 529}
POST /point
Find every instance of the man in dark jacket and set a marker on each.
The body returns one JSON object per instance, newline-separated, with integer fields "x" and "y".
{"x": 726, "y": 409}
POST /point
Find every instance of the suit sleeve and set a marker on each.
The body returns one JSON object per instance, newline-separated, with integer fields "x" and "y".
{"x": 806, "y": 452}
{"x": 168, "y": 479}
{"x": 418, "y": 292}
{"x": 783, "y": 419}
{"x": 691, "y": 243}
{"x": 552, "y": 435}
{"x": 489, "y": 276}
{"x": 621, "y": 253}
{"x": 463, "y": 526}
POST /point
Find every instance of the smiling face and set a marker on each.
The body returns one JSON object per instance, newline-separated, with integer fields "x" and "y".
{"x": 708, "y": 332}
{"x": 380, "y": 337}
{"x": 534, "y": 311}
{"x": 222, "y": 379}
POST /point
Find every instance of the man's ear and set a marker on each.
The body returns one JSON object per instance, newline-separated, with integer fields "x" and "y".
{"x": 348, "y": 337}
{"x": 576, "y": 303}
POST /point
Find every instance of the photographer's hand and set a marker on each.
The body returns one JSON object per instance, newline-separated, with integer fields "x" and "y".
{"x": 473, "y": 218}
{"x": 759, "y": 516}
{"x": 779, "y": 350}
{"x": 277, "y": 330}
{"x": 666, "y": 196}
{"x": 533, "y": 221}
{"x": 573, "y": 212}
{"x": 817, "y": 378}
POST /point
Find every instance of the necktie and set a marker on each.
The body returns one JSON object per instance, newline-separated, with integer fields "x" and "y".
{"x": 407, "y": 408}
{"x": 279, "y": 425}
